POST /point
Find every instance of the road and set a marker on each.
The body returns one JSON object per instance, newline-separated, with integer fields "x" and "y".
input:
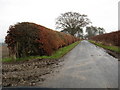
{"x": 86, "y": 66}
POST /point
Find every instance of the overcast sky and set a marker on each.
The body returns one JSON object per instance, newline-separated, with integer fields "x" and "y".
{"x": 102, "y": 13}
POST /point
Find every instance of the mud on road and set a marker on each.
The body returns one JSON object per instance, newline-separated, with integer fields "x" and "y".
{"x": 28, "y": 73}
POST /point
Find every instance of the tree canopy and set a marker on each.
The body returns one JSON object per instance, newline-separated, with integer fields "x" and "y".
{"x": 72, "y": 23}
{"x": 92, "y": 31}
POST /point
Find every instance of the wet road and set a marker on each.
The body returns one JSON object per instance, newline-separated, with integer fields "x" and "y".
{"x": 86, "y": 66}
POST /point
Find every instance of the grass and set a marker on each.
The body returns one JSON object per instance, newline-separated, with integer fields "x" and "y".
{"x": 112, "y": 48}
{"x": 56, "y": 55}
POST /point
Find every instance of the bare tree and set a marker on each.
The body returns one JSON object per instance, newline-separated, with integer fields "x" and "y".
{"x": 72, "y": 23}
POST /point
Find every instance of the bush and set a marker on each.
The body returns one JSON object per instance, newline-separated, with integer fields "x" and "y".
{"x": 108, "y": 38}
{"x": 26, "y": 39}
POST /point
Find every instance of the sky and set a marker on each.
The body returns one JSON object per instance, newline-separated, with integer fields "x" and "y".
{"x": 102, "y": 13}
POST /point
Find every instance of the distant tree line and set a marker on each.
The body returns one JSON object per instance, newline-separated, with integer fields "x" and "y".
{"x": 73, "y": 23}
{"x": 93, "y": 31}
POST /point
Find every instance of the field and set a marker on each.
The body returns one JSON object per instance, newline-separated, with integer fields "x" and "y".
{"x": 4, "y": 52}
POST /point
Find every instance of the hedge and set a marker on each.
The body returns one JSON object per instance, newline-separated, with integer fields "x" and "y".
{"x": 26, "y": 39}
{"x": 112, "y": 38}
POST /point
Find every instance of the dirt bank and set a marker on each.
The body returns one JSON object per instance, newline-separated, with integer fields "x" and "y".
{"x": 27, "y": 73}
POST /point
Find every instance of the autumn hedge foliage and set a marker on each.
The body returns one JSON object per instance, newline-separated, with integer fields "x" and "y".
{"x": 26, "y": 39}
{"x": 112, "y": 38}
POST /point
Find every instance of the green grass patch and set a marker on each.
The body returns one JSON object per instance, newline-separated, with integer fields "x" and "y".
{"x": 112, "y": 48}
{"x": 56, "y": 55}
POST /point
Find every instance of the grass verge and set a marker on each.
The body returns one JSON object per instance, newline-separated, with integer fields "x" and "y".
{"x": 112, "y": 48}
{"x": 56, "y": 55}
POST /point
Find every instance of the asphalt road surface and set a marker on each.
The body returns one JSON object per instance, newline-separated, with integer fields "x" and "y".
{"x": 86, "y": 66}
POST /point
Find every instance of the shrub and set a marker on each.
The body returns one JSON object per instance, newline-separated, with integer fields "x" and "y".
{"x": 112, "y": 38}
{"x": 26, "y": 39}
